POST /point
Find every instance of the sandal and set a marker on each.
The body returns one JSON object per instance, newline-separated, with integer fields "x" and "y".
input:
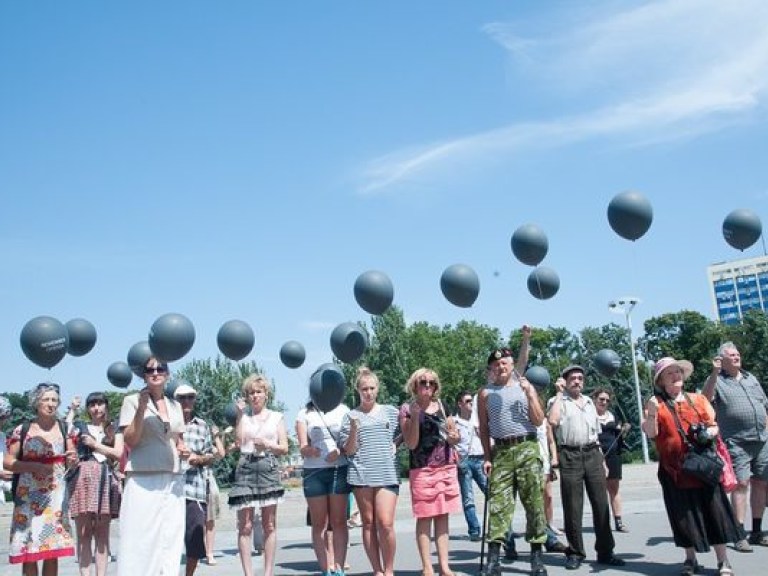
{"x": 724, "y": 568}
{"x": 690, "y": 567}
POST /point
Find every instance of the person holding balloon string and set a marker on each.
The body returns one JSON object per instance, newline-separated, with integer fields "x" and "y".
{"x": 367, "y": 437}
{"x": 152, "y": 516}
{"x": 430, "y": 435}
{"x": 324, "y": 480}
{"x": 94, "y": 491}
{"x": 262, "y": 438}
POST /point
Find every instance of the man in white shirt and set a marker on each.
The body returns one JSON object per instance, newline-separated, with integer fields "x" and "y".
{"x": 470, "y": 465}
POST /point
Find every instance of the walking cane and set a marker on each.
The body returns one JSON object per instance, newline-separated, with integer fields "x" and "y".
{"x": 485, "y": 522}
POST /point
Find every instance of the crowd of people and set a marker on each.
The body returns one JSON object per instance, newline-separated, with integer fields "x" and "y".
{"x": 152, "y": 470}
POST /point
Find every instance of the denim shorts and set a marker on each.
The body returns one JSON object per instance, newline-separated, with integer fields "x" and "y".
{"x": 325, "y": 481}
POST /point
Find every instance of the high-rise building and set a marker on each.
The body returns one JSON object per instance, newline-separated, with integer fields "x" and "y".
{"x": 737, "y": 287}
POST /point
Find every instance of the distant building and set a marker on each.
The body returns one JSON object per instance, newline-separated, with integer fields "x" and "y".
{"x": 737, "y": 287}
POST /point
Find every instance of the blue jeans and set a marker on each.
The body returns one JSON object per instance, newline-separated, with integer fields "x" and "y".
{"x": 471, "y": 468}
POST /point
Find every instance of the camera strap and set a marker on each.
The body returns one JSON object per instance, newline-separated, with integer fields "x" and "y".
{"x": 672, "y": 408}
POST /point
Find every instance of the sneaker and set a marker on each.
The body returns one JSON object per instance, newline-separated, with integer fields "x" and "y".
{"x": 742, "y": 546}
{"x": 758, "y": 539}
{"x": 475, "y": 538}
{"x": 621, "y": 527}
{"x": 556, "y": 547}
{"x": 556, "y": 530}
{"x": 724, "y": 568}
{"x": 573, "y": 562}
{"x": 610, "y": 560}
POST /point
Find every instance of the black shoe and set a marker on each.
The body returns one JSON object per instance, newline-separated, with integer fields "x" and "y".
{"x": 537, "y": 564}
{"x": 475, "y": 538}
{"x": 510, "y": 554}
{"x": 558, "y": 547}
{"x": 573, "y": 562}
{"x": 610, "y": 560}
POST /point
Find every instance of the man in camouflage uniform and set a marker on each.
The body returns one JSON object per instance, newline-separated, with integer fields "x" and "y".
{"x": 509, "y": 412}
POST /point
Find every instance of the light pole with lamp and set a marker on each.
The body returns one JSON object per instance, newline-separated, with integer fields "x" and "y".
{"x": 625, "y": 305}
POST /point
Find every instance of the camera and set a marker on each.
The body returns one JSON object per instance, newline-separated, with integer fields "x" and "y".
{"x": 83, "y": 452}
{"x": 699, "y": 435}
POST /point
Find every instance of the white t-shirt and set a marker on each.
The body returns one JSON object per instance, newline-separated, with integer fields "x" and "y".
{"x": 323, "y": 433}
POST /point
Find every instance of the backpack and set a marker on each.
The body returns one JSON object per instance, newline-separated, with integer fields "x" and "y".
{"x": 22, "y": 437}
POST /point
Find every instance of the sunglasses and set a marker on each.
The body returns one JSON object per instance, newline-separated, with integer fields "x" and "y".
{"x": 603, "y": 399}
{"x": 427, "y": 383}
{"x": 468, "y": 401}
{"x": 155, "y": 370}
{"x": 183, "y": 397}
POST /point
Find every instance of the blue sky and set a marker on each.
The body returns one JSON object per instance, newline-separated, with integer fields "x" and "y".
{"x": 249, "y": 160}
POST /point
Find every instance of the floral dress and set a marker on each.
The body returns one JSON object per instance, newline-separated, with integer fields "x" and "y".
{"x": 39, "y": 529}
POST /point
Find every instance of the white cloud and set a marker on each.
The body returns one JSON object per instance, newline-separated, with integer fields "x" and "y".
{"x": 666, "y": 70}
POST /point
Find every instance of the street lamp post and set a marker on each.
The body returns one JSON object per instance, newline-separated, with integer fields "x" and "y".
{"x": 624, "y": 306}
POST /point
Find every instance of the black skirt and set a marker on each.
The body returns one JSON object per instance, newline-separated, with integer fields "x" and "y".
{"x": 699, "y": 517}
{"x": 257, "y": 482}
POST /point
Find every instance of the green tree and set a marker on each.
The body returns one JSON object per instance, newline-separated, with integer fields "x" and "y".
{"x": 751, "y": 338}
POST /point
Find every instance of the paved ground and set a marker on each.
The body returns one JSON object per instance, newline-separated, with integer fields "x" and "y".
{"x": 647, "y": 548}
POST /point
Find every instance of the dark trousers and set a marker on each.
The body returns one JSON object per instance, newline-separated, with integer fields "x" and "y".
{"x": 581, "y": 469}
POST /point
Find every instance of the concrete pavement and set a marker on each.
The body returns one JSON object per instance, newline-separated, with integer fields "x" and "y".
{"x": 648, "y": 548}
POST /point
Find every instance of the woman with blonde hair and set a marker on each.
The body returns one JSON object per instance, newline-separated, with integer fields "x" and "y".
{"x": 262, "y": 439}
{"x": 430, "y": 435}
{"x": 368, "y": 435}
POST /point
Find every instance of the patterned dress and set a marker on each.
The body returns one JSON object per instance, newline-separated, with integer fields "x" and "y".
{"x": 39, "y": 529}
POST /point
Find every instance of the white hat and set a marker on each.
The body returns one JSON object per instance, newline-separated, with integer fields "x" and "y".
{"x": 184, "y": 390}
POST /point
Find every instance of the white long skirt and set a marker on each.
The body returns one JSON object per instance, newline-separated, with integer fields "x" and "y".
{"x": 151, "y": 525}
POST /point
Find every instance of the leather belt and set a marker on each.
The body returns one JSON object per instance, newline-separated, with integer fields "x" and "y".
{"x": 514, "y": 440}
{"x": 585, "y": 448}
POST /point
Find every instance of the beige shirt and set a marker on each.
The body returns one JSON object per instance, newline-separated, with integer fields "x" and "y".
{"x": 156, "y": 451}
{"x": 578, "y": 424}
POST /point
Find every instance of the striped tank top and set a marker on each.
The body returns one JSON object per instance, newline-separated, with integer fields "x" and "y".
{"x": 507, "y": 411}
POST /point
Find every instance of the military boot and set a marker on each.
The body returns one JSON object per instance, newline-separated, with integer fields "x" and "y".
{"x": 493, "y": 564}
{"x": 537, "y": 563}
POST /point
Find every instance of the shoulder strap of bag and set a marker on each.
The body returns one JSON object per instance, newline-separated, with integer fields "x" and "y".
{"x": 671, "y": 406}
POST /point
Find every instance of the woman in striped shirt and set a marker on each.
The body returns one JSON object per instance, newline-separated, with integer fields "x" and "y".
{"x": 367, "y": 434}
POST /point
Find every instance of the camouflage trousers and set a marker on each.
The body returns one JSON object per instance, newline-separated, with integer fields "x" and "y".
{"x": 517, "y": 470}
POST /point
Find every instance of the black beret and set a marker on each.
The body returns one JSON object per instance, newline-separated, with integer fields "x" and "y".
{"x": 498, "y": 354}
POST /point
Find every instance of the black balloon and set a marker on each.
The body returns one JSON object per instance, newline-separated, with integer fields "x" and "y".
{"x": 543, "y": 283}
{"x": 742, "y": 228}
{"x": 44, "y": 340}
{"x": 137, "y": 357}
{"x": 119, "y": 374}
{"x": 171, "y": 337}
{"x": 607, "y": 362}
{"x": 374, "y": 292}
{"x": 82, "y": 336}
{"x": 538, "y": 376}
{"x": 235, "y": 339}
{"x": 630, "y": 215}
{"x": 460, "y": 285}
{"x": 230, "y": 414}
{"x": 529, "y": 244}
{"x": 171, "y": 385}
{"x": 327, "y": 387}
{"x": 348, "y": 342}
{"x": 292, "y": 354}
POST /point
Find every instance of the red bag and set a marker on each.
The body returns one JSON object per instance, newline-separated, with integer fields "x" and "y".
{"x": 728, "y": 477}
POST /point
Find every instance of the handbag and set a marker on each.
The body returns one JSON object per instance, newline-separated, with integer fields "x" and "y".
{"x": 702, "y": 463}
{"x": 728, "y": 478}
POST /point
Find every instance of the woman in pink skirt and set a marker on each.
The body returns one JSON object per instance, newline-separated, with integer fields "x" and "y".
{"x": 94, "y": 490}
{"x": 430, "y": 435}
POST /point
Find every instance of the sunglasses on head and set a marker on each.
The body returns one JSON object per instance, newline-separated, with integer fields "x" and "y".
{"x": 48, "y": 386}
{"x": 155, "y": 370}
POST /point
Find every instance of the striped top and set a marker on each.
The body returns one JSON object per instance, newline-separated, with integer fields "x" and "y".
{"x": 374, "y": 463}
{"x": 507, "y": 411}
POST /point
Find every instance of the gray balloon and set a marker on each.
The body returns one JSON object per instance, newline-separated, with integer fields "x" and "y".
{"x": 348, "y": 342}
{"x": 538, "y": 376}
{"x": 171, "y": 385}
{"x": 630, "y": 215}
{"x": 529, "y": 244}
{"x": 44, "y": 340}
{"x": 235, "y": 339}
{"x": 119, "y": 374}
{"x": 292, "y": 354}
{"x": 171, "y": 337}
{"x": 742, "y": 228}
{"x": 82, "y": 337}
{"x": 374, "y": 292}
{"x": 543, "y": 283}
{"x": 327, "y": 387}
{"x": 607, "y": 362}
{"x": 137, "y": 357}
{"x": 460, "y": 285}
{"x": 230, "y": 414}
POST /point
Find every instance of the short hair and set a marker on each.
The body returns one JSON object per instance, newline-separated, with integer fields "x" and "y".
{"x": 37, "y": 392}
{"x": 601, "y": 390}
{"x": 411, "y": 387}
{"x": 365, "y": 373}
{"x": 96, "y": 397}
{"x": 255, "y": 381}
{"x": 463, "y": 393}
{"x": 726, "y": 346}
